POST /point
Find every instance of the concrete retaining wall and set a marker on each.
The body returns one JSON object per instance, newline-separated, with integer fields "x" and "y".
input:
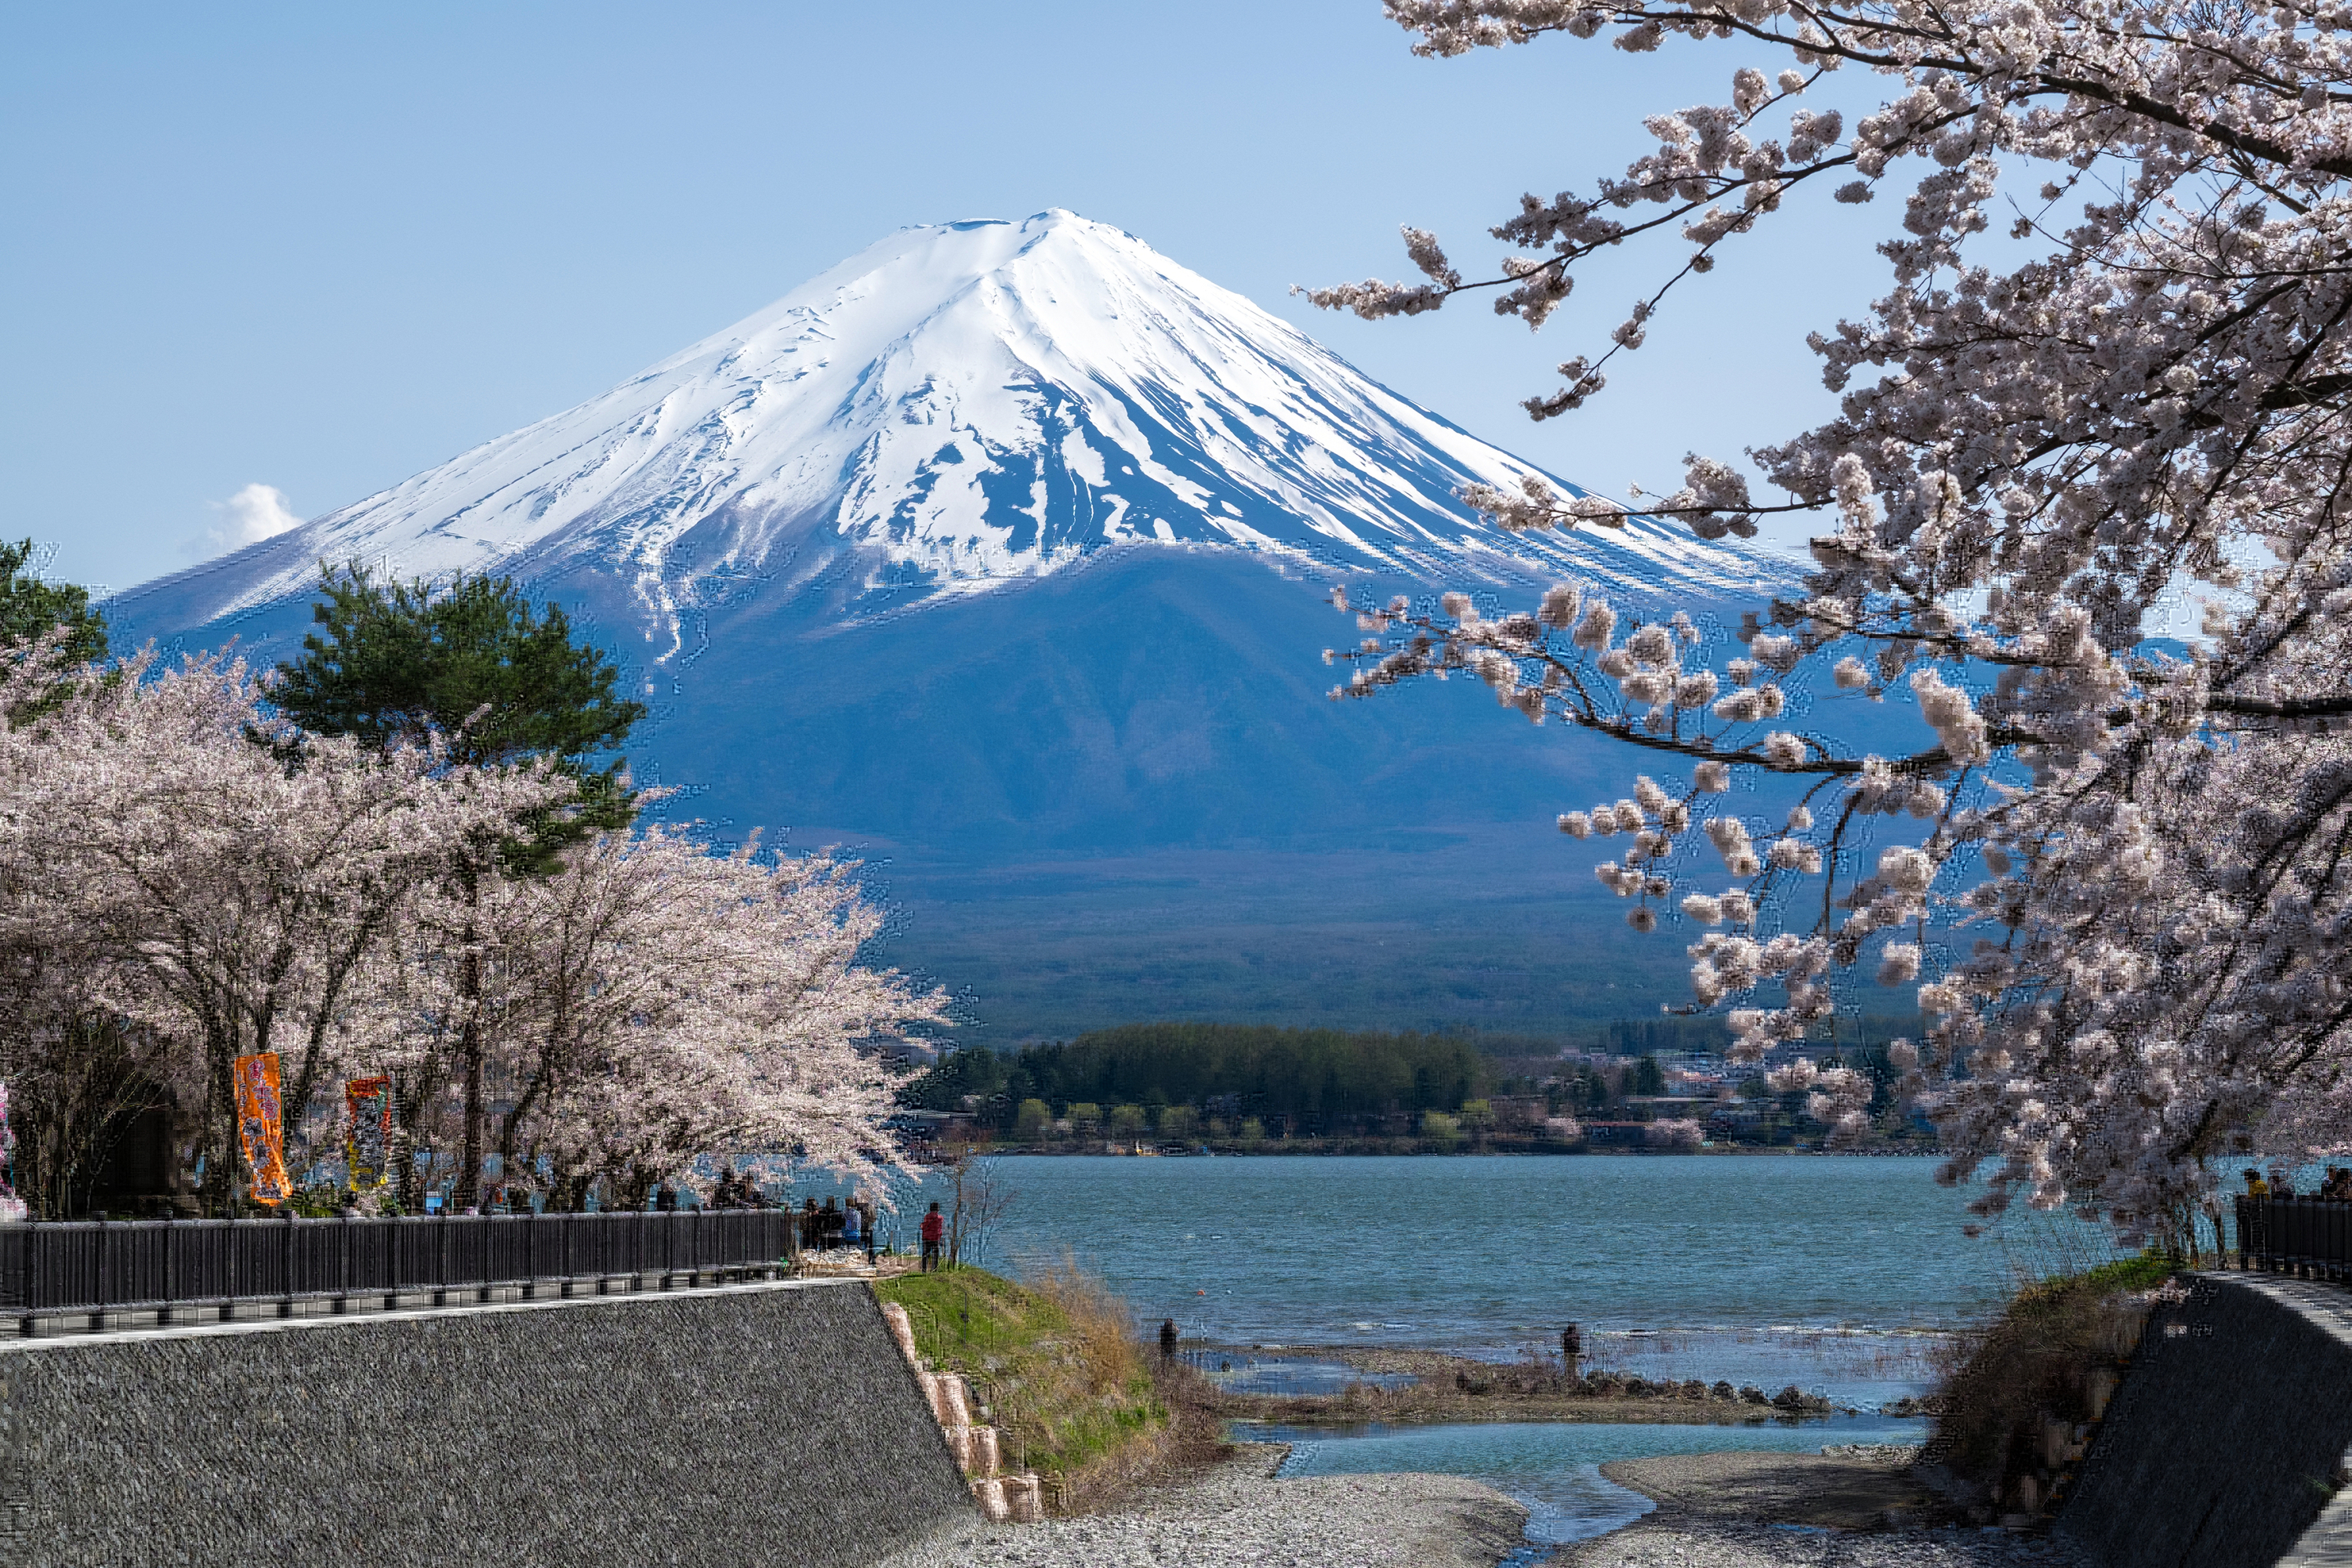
{"x": 2221, "y": 1448}
{"x": 750, "y": 1425}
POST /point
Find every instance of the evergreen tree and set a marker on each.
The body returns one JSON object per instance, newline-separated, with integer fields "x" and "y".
{"x": 30, "y": 607}
{"x": 503, "y": 683}
{"x": 500, "y": 681}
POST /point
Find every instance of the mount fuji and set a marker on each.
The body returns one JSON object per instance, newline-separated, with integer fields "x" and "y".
{"x": 999, "y": 554}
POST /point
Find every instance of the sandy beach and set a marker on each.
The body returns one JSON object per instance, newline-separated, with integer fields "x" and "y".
{"x": 1766, "y": 1511}
{"x": 1715, "y": 1510}
{"x": 1237, "y": 1515}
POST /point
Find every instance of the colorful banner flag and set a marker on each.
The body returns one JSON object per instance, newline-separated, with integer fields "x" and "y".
{"x": 367, "y": 1142}
{"x": 260, "y": 1124}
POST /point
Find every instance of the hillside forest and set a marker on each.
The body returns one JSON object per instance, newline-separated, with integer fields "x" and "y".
{"x": 1250, "y": 1088}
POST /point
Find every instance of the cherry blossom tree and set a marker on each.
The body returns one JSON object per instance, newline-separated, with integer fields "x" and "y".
{"x": 653, "y": 1006}
{"x": 186, "y": 877}
{"x": 2045, "y": 441}
{"x": 173, "y": 876}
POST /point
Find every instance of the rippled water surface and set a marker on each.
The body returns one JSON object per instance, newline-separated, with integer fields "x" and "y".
{"x": 1843, "y": 1276}
{"x": 1551, "y": 1467}
{"x": 1838, "y": 1274}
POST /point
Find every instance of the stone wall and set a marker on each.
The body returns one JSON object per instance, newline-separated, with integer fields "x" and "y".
{"x": 747, "y": 1426}
{"x": 2221, "y": 1449}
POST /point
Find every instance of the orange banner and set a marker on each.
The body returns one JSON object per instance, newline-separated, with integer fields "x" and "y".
{"x": 367, "y": 1145}
{"x": 261, "y": 1126}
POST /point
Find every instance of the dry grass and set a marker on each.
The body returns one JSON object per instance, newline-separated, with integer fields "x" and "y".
{"x": 1101, "y": 1329}
{"x": 1068, "y": 1386}
{"x": 2039, "y": 1366}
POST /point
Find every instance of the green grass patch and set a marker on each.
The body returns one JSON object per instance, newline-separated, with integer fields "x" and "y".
{"x": 2145, "y": 1272}
{"x": 1058, "y": 1364}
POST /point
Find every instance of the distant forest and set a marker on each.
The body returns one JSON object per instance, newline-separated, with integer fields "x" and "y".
{"x": 1313, "y": 1078}
{"x": 1317, "y": 1082}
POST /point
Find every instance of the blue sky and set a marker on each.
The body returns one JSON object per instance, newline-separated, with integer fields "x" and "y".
{"x": 320, "y": 248}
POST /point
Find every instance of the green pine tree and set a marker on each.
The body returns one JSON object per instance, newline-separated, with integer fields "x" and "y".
{"x": 30, "y": 608}
{"x": 500, "y": 681}
{"x": 503, "y": 683}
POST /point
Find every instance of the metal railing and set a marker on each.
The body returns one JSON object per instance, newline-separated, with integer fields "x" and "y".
{"x": 2295, "y": 1236}
{"x": 166, "y": 1266}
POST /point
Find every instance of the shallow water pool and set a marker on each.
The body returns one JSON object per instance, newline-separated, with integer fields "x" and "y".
{"x": 1553, "y": 1467}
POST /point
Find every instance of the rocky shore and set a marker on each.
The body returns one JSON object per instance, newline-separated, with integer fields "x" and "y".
{"x": 1849, "y": 1508}
{"x": 1735, "y": 1543}
{"x": 1855, "y": 1507}
{"x": 1237, "y": 1515}
{"x": 1453, "y": 1388}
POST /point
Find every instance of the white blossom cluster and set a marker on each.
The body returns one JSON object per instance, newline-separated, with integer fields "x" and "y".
{"x": 2145, "y": 845}
{"x": 647, "y": 1006}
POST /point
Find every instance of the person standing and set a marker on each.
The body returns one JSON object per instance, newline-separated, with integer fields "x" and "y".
{"x": 935, "y": 1231}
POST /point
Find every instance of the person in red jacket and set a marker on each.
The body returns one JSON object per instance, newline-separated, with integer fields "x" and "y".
{"x": 935, "y": 1230}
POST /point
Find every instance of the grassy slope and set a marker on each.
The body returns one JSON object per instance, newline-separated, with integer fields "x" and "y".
{"x": 1065, "y": 1384}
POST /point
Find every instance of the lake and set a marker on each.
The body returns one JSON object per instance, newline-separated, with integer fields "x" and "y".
{"x": 1844, "y": 1275}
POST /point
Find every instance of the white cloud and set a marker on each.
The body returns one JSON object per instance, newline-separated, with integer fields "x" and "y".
{"x": 254, "y": 513}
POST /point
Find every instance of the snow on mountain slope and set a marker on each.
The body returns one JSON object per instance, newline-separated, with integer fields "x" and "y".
{"x": 957, "y": 407}
{"x": 1117, "y": 792}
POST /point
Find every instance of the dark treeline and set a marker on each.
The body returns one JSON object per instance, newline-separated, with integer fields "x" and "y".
{"x": 1224, "y": 1079}
{"x": 1316, "y": 1079}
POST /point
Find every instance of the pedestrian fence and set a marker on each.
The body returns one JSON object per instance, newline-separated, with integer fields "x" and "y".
{"x": 2295, "y": 1236}
{"x": 177, "y": 1269}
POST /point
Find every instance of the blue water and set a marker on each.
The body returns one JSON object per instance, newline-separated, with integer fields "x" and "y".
{"x": 1553, "y": 1468}
{"x": 1842, "y": 1275}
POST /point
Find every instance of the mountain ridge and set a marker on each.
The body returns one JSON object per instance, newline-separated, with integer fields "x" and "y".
{"x": 955, "y": 407}
{"x": 1003, "y": 551}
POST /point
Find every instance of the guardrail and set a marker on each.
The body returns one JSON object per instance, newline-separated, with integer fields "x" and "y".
{"x": 2295, "y": 1236}
{"x": 171, "y": 1266}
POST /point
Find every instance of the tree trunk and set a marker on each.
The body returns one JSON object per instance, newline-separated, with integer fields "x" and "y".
{"x": 219, "y": 1138}
{"x": 470, "y": 1048}
{"x": 470, "y": 1052}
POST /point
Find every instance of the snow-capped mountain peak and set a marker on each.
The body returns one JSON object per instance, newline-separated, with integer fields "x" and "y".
{"x": 959, "y": 405}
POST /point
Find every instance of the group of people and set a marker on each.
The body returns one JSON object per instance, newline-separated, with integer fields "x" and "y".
{"x": 737, "y": 1192}
{"x": 2336, "y": 1187}
{"x": 836, "y": 1224}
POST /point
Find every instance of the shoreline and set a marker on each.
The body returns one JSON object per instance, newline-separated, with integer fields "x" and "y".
{"x": 1401, "y": 1148}
{"x": 1715, "y": 1510}
{"x": 1450, "y": 1389}
{"x": 1235, "y": 1513}
{"x": 1854, "y": 1508}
